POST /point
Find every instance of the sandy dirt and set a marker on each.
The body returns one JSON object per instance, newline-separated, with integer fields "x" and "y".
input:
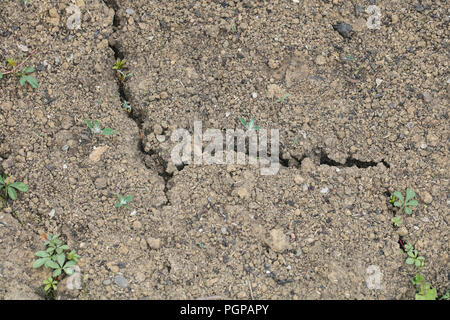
{"x": 361, "y": 113}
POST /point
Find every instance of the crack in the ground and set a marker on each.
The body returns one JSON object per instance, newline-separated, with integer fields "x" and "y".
{"x": 350, "y": 162}
{"x": 138, "y": 118}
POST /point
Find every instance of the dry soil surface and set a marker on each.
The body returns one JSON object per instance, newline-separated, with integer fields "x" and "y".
{"x": 361, "y": 113}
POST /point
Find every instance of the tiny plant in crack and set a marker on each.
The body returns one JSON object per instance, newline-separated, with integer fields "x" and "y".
{"x": 404, "y": 203}
{"x": 397, "y": 221}
{"x": 249, "y": 125}
{"x": 413, "y": 256}
{"x": 424, "y": 290}
{"x": 123, "y": 201}
{"x": 95, "y": 128}
{"x": 118, "y": 66}
{"x": 126, "y": 106}
{"x": 407, "y": 202}
{"x": 58, "y": 257}
{"x": 9, "y": 188}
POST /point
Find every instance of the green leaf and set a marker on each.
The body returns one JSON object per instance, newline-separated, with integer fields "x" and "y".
{"x": 418, "y": 279}
{"x": 39, "y": 262}
{"x": 410, "y": 261}
{"x": 108, "y": 131}
{"x": 408, "y": 210}
{"x": 19, "y": 186}
{"x": 69, "y": 271}
{"x": 70, "y": 263}
{"x": 42, "y": 254}
{"x": 61, "y": 258}
{"x": 47, "y": 287}
{"x": 31, "y": 80}
{"x": 243, "y": 122}
{"x": 57, "y": 272}
{"x": 96, "y": 124}
{"x": 399, "y": 196}
{"x": 128, "y": 198}
{"x": 51, "y": 264}
{"x": 118, "y": 204}
{"x": 412, "y": 203}
{"x": 88, "y": 123}
{"x": 29, "y": 70}
{"x": 409, "y": 195}
{"x": 398, "y": 204}
{"x": 1, "y": 75}
{"x": 65, "y": 247}
{"x": 12, "y": 193}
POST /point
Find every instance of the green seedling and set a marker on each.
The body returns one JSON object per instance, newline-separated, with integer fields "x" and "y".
{"x": 413, "y": 256}
{"x": 56, "y": 257}
{"x": 123, "y": 76}
{"x": 424, "y": 289}
{"x": 284, "y": 97}
{"x": 95, "y": 128}
{"x": 8, "y": 188}
{"x": 119, "y": 64}
{"x": 250, "y": 125}
{"x": 123, "y": 201}
{"x": 446, "y": 296}
{"x": 406, "y": 203}
{"x": 126, "y": 106}
{"x": 24, "y": 77}
{"x": 50, "y": 284}
{"x": 397, "y": 221}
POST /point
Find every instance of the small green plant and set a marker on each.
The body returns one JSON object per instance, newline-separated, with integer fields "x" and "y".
{"x": 8, "y": 188}
{"x": 126, "y": 106}
{"x": 23, "y": 74}
{"x": 406, "y": 203}
{"x": 413, "y": 256}
{"x": 123, "y": 201}
{"x": 95, "y": 128}
{"x": 250, "y": 125}
{"x": 58, "y": 257}
{"x": 123, "y": 76}
{"x": 397, "y": 221}
{"x": 283, "y": 98}
{"x": 119, "y": 64}
{"x": 50, "y": 284}
{"x": 446, "y": 296}
{"x": 424, "y": 291}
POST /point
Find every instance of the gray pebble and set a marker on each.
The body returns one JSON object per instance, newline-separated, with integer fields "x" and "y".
{"x": 120, "y": 281}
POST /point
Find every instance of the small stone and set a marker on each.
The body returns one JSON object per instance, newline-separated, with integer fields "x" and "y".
{"x": 254, "y": 95}
{"x": 121, "y": 281}
{"x": 243, "y": 193}
{"x": 107, "y": 282}
{"x": 74, "y": 281}
{"x": 432, "y": 139}
{"x": 129, "y": 11}
{"x": 343, "y": 29}
{"x": 100, "y": 183}
{"x": 402, "y": 231}
{"x": 278, "y": 241}
{"x": 164, "y": 95}
{"x": 394, "y": 19}
{"x": 427, "y": 97}
{"x": 97, "y": 153}
{"x": 154, "y": 243}
{"x": 298, "y": 179}
{"x": 320, "y": 60}
{"x": 324, "y": 190}
{"x": 22, "y": 47}
{"x": 143, "y": 244}
{"x": 427, "y": 198}
{"x": 123, "y": 250}
{"x": 137, "y": 225}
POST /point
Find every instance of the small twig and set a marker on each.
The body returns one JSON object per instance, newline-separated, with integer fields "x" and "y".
{"x": 21, "y": 63}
